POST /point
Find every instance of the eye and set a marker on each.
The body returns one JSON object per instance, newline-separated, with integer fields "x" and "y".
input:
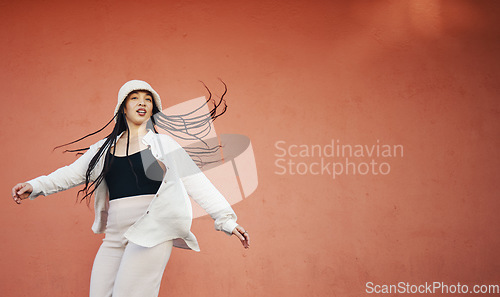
{"x": 133, "y": 97}
{"x": 149, "y": 99}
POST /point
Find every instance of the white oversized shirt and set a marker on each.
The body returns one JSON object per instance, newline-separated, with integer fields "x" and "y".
{"x": 169, "y": 215}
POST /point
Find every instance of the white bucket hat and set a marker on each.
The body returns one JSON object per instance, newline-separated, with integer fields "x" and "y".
{"x": 134, "y": 85}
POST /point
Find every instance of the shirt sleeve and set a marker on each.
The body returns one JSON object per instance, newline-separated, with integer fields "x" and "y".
{"x": 65, "y": 177}
{"x": 203, "y": 192}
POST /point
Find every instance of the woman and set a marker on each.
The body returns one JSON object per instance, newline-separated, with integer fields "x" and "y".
{"x": 140, "y": 180}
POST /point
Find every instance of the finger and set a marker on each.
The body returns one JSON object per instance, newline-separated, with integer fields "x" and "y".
{"x": 238, "y": 234}
{"x": 242, "y": 235}
{"x": 15, "y": 189}
{"x": 23, "y": 189}
{"x": 16, "y": 199}
{"x": 247, "y": 237}
{"x": 238, "y": 229}
{"x": 243, "y": 231}
{"x": 246, "y": 241}
{"x": 245, "y": 234}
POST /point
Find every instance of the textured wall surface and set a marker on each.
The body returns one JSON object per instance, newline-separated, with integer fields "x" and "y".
{"x": 418, "y": 76}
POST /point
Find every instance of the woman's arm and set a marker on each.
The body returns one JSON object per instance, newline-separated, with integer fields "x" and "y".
{"x": 207, "y": 196}
{"x": 62, "y": 179}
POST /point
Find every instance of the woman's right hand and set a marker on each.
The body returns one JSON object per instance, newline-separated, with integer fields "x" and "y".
{"x": 21, "y": 191}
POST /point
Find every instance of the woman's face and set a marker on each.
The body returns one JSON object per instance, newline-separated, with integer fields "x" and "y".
{"x": 138, "y": 107}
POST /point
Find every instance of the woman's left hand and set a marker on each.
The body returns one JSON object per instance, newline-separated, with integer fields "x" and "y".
{"x": 242, "y": 235}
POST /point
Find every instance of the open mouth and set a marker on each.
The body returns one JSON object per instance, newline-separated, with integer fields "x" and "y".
{"x": 141, "y": 111}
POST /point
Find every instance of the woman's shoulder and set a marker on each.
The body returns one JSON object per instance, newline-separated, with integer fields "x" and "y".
{"x": 97, "y": 145}
{"x": 100, "y": 142}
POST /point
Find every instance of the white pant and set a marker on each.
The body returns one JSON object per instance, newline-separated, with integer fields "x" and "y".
{"x": 122, "y": 268}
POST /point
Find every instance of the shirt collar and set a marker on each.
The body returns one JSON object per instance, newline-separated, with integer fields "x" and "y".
{"x": 148, "y": 137}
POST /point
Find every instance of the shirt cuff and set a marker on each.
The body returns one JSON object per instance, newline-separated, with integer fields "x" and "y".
{"x": 229, "y": 226}
{"x": 35, "y": 185}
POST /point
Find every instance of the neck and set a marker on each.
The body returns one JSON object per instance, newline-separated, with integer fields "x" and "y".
{"x": 136, "y": 131}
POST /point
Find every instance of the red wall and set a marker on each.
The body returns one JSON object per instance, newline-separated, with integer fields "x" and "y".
{"x": 420, "y": 74}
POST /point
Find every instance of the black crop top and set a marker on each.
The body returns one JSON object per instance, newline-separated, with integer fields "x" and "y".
{"x": 121, "y": 180}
